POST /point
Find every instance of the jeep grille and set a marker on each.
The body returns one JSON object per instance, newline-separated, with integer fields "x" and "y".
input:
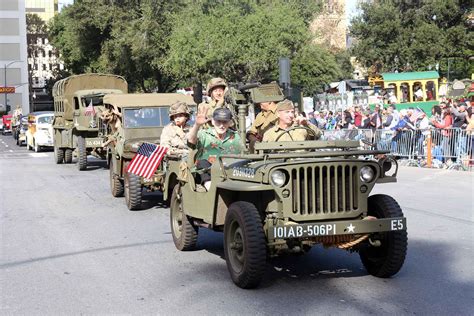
{"x": 325, "y": 189}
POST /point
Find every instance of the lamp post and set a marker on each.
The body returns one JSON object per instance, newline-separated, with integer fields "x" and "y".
{"x": 5, "y": 82}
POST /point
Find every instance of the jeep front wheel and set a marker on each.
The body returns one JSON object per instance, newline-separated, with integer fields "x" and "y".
{"x": 81, "y": 153}
{"x": 116, "y": 185}
{"x": 184, "y": 232}
{"x": 133, "y": 191}
{"x": 244, "y": 245}
{"x": 387, "y": 258}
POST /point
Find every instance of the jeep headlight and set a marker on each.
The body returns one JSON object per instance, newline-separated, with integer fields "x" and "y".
{"x": 367, "y": 174}
{"x": 278, "y": 178}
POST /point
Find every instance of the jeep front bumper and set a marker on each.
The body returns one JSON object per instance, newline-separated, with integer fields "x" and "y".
{"x": 351, "y": 227}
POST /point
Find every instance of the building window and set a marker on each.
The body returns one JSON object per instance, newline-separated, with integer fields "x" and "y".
{"x": 44, "y": 66}
{"x": 36, "y": 66}
{"x": 50, "y": 66}
{"x": 36, "y": 53}
{"x": 50, "y": 53}
{"x": 44, "y": 53}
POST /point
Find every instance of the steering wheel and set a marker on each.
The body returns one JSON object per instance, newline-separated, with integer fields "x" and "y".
{"x": 313, "y": 134}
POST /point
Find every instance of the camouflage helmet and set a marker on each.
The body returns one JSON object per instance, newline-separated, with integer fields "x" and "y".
{"x": 179, "y": 108}
{"x": 215, "y": 82}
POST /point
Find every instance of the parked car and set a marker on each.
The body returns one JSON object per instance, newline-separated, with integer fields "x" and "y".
{"x": 40, "y": 130}
{"x": 7, "y": 124}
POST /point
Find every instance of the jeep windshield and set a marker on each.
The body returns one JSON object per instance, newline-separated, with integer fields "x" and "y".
{"x": 146, "y": 117}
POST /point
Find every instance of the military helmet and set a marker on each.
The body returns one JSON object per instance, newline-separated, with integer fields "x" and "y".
{"x": 215, "y": 82}
{"x": 179, "y": 108}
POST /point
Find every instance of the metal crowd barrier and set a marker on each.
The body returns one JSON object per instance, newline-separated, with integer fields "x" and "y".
{"x": 433, "y": 148}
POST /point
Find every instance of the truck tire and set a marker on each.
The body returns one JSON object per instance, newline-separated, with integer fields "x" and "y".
{"x": 116, "y": 185}
{"x": 58, "y": 154}
{"x": 184, "y": 233}
{"x": 68, "y": 155}
{"x": 387, "y": 259}
{"x": 81, "y": 153}
{"x": 133, "y": 191}
{"x": 244, "y": 245}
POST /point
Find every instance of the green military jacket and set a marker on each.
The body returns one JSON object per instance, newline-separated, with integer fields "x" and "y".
{"x": 210, "y": 147}
{"x": 295, "y": 135}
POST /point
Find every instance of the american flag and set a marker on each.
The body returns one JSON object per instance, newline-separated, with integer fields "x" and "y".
{"x": 147, "y": 160}
{"x": 90, "y": 111}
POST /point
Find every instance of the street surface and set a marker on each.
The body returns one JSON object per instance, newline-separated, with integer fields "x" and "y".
{"x": 69, "y": 247}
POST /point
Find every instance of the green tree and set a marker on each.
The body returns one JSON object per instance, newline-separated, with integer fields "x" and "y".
{"x": 413, "y": 35}
{"x": 238, "y": 41}
{"x": 128, "y": 38}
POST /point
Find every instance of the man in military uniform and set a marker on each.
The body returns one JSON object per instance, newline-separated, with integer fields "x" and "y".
{"x": 216, "y": 89}
{"x": 173, "y": 135}
{"x": 267, "y": 118}
{"x": 285, "y": 111}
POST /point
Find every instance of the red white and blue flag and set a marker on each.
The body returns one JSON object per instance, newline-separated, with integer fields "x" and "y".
{"x": 147, "y": 160}
{"x": 90, "y": 110}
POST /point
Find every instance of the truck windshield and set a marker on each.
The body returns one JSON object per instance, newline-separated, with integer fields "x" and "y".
{"x": 146, "y": 117}
{"x": 96, "y": 100}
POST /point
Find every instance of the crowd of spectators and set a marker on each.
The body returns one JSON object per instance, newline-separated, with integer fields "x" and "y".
{"x": 448, "y": 114}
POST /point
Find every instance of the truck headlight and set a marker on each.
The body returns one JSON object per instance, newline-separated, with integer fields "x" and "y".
{"x": 367, "y": 174}
{"x": 278, "y": 178}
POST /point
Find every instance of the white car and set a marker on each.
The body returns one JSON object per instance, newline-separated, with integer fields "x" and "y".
{"x": 40, "y": 130}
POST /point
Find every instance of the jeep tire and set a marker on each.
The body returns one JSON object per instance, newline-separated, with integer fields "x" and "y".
{"x": 116, "y": 185}
{"x": 184, "y": 232}
{"x": 387, "y": 259}
{"x": 58, "y": 154}
{"x": 81, "y": 153}
{"x": 67, "y": 155}
{"x": 133, "y": 191}
{"x": 244, "y": 244}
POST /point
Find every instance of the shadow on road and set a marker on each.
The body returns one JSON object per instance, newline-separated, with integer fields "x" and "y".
{"x": 429, "y": 273}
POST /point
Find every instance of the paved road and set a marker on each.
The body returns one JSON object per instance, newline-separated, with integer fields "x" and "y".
{"x": 69, "y": 247}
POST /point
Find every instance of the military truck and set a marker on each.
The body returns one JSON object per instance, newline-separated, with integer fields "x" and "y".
{"x": 133, "y": 119}
{"x": 288, "y": 197}
{"x": 77, "y": 107}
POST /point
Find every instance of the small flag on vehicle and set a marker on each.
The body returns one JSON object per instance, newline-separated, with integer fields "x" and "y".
{"x": 147, "y": 160}
{"x": 90, "y": 110}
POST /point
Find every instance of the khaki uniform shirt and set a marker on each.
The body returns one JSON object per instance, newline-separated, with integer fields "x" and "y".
{"x": 263, "y": 122}
{"x": 211, "y": 107}
{"x": 296, "y": 135}
{"x": 174, "y": 138}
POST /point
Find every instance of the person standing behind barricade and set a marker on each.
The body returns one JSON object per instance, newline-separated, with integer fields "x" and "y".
{"x": 393, "y": 117}
{"x": 470, "y": 133}
{"x": 376, "y": 118}
{"x": 357, "y": 116}
{"x": 445, "y": 124}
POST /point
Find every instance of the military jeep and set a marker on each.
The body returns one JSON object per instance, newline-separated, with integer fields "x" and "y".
{"x": 133, "y": 119}
{"x": 288, "y": 197}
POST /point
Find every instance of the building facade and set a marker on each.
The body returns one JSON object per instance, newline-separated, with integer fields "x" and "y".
{"x": 43, "y": 59}
{"x": 13, "y": 56}
{"x": 330, "y": 27}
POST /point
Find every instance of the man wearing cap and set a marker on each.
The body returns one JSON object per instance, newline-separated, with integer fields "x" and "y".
{"x": 264, "y": 120}
{"x": 216, "y": 140}
{"x": 285, "y": 111}
{"x": 174, "y": 134}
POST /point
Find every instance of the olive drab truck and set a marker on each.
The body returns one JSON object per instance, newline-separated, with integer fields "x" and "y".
{"x": 287, "y": 197}
{"x": 77, "y": 110}
{"x": 134, "y": 119}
